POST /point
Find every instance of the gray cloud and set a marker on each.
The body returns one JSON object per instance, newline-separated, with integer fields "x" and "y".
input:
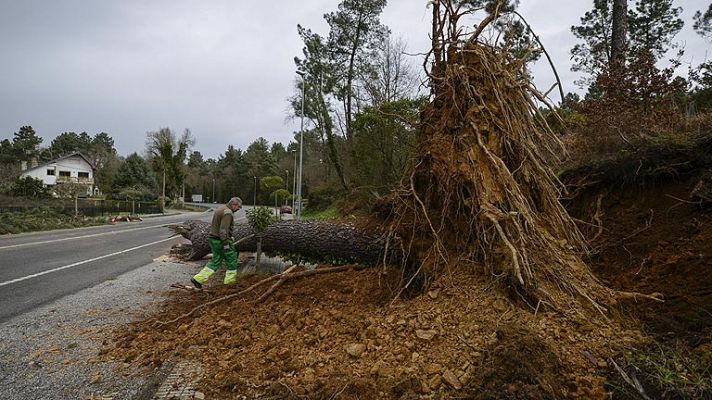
{"x": 222, "y": 68}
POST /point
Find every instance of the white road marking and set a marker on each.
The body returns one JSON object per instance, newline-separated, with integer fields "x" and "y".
{"x": 12, "y": 246}
{"x": 24, "y": 278}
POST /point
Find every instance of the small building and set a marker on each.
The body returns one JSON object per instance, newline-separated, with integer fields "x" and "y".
{"x": 74, "y": 168}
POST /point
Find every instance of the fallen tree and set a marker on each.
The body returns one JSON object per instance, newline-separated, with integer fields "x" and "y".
{"x": 339, "y": 243}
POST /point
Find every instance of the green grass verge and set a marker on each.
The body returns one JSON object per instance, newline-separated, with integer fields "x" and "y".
{"x": 43, "y": 220}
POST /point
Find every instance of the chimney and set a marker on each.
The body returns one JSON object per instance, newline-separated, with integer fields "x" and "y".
{"x": 23, "y": 165}
{"x": 33, "y": 162}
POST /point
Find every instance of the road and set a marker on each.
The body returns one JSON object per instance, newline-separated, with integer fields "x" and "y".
{"x": 41, "y": 267}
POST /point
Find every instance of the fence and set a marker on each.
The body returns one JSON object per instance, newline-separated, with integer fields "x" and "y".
{"x": 86, "y": 207}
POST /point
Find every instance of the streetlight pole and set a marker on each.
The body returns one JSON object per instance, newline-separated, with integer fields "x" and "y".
{"x": 163, "y": 202}
{"x": 301, "y": 153}
{"x": 254, "y": 197}
{"x": 294, "y": 185}
{"x": 286, "y": 183}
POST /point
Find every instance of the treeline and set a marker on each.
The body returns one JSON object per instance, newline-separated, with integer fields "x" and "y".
{"x": 168, "y": 157}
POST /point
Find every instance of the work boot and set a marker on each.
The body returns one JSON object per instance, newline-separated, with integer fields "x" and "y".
{"x": 230, "y": 277}
{"x": 202, "y": 277}
{"x": 196, "y": 283}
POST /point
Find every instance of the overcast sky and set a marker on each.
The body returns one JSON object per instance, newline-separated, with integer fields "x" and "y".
{"x": 222, "y": 68}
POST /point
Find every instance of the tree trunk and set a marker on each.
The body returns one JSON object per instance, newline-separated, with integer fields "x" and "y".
{"x": 312, "y": 240}
{"x": 619, "y": 29}
{"x": 258, "y": 257}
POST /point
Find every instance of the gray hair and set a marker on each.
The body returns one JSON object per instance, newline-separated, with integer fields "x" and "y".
{"x": 235, "y": 201}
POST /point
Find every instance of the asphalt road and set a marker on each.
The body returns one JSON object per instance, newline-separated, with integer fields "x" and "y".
{"x": 41, "y": 267}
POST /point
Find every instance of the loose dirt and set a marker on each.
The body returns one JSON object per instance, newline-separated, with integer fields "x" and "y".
{"x": 343, "y": 336}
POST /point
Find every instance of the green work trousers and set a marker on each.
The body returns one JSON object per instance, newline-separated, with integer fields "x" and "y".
{"x": 220, "y": 255}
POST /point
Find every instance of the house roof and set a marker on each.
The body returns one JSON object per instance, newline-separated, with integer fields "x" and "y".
{"x": 76, "y": 153}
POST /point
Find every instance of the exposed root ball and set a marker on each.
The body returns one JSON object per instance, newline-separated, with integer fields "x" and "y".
{"x": 482, "y": 190}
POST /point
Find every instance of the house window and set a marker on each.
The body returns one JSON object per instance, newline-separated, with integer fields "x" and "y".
{"x": 50, "y": 172}
{"x": 84, "y": 175}
{"x": 65, "y": 173}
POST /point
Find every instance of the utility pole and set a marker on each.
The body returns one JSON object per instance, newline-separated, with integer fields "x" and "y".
{"x": 213, "y": 198}
{"x": 301, "y": 154}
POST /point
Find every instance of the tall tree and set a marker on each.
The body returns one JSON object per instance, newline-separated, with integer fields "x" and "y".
{"x": 391, "y": 76}
{"x": 653, "y": 25}
{"x": 69, "y": 142}
{"x": 619, "y": 32}
{"x": 594, "y": 54}
{"x": 169, "y": 153}
{"x": 26, "y": 144}
{"x": 355, "y": 31}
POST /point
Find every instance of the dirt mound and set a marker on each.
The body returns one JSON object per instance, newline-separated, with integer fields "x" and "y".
{"x": 343, "y": 336}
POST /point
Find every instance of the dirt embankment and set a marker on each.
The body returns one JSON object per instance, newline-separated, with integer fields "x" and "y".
{"x": 653, "y": 234}
{"x": 651, "y": 237}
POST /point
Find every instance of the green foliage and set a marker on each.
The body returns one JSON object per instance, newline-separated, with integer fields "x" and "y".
{"x": 323, "y": 197}
{"x": 384, "y": 143}
{"x": 271, "y": 183}
{"x": 69, "y": 142}
{"x": 29, "y": 187}
{"x": 26, "y": 144}
{"x": 653, "y": 25}
{"x": 70, "y": 189}
{"x": 169, "y": 153}
{"x": 651, "y": 28}
{"x": 259, "y": 218}
{"x": 325, "y": 259}
{"x": 280, "y": 195}
{"x": 703, "y": 23}
{"x": 7, "y": 152}
{"x": 135, "y": 172}
{"x": 330, "y": 213}
{"x": 593, "y": 54}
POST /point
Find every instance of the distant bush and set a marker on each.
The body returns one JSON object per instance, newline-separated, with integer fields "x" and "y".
{"x": 29, "y": 187}
{"x": 323, "y": 197}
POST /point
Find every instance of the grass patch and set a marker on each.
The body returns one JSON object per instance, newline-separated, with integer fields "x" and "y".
{"x": 665, "y": 372}
{"x": 187, "y": 207}
{"x": 43, "y": 219}
{"x": 328, "y": 214}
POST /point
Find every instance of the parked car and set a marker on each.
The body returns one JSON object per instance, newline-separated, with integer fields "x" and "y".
{"x": 285, "y": 210}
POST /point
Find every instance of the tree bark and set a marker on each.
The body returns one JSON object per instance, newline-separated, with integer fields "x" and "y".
{"x": 618, "y": 36}
{"x": 312, "y": 240}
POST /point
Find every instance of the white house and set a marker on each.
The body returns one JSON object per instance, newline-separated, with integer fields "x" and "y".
{"x": 70, "y": 168}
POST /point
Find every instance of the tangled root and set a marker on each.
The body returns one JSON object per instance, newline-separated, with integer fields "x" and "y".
{"x": 482, "y": 191}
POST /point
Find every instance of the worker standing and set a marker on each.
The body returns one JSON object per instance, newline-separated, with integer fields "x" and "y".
{"x": 221, "y": 244}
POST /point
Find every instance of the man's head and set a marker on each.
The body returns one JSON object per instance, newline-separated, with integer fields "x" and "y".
{"x": 235, "y": 204}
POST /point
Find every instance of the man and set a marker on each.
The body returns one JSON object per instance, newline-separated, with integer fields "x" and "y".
{"x": 221, "y": 244}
